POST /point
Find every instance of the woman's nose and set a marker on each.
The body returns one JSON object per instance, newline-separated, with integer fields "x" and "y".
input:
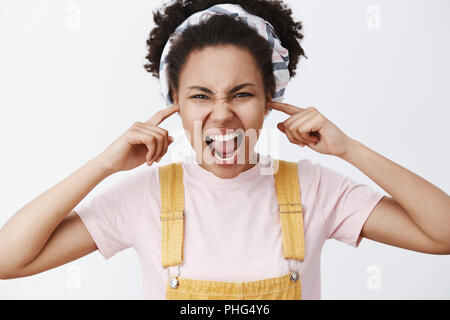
{"x": 221, "y": 112}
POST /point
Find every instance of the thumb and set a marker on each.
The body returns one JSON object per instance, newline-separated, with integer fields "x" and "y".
{"x": 280, "y": 126}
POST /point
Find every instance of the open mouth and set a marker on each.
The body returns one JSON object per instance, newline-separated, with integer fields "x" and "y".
{"x": 225, "y": 147}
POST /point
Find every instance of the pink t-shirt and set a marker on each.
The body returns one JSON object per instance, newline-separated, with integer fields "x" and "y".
{"x": 232, "y": 228}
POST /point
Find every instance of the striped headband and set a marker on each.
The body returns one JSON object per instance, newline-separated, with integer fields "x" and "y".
{"x": 280, "y": 55}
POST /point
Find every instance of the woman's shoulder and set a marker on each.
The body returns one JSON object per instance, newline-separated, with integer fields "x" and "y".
{"x": 319, "y": 176}
{"x": 140, "y": 181}
{"x": 313, "y": 174}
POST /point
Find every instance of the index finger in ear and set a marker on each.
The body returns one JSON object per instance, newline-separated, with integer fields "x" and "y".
{"x": 287, "y": 108}
{"x": 161, "y": 115}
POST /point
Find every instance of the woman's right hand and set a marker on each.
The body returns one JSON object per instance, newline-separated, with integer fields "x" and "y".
{"x": 143, "y": 142}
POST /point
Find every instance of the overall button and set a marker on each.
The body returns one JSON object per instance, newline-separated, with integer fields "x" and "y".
{"x": 294, "y": 276}
{"x": 173, "y": 282}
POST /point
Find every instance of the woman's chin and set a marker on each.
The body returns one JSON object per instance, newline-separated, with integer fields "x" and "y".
{"x": 227, "y": 168}
{"x": 224, "y": 169}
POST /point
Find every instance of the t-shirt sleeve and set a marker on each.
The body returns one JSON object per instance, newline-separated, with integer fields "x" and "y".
{"x": 343, "y": 203}
{"x": 111, "y": 215}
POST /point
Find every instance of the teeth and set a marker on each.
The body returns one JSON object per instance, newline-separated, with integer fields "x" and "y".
{"x": 226, "y": 137}
{"x": 224, "y": 159}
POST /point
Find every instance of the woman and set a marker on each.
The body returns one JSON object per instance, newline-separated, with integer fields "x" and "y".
{"x": 225, "y": 238}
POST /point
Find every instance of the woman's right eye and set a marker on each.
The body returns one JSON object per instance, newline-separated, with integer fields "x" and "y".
{"x": 199, "y": 95}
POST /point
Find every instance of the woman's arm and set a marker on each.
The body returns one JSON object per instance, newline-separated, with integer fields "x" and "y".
{"x": 43, "y": 235}
{"x": 417, "y": 217}
{"x": 40, "y": 223}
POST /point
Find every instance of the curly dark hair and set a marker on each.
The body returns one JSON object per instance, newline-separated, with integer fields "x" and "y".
{"x": 222, "y": 30}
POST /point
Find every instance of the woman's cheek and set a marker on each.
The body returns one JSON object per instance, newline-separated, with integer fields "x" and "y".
{"x": 251, "y": 114}
{"x": 193, "y": 118}
{"x": 196, "y": 109}
{"x": 193, "y": 112}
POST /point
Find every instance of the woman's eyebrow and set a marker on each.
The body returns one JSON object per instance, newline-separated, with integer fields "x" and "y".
{"x": 237, "y": 88}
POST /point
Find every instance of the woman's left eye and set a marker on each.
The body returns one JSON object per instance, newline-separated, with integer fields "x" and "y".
{"x": 246, "y": 94}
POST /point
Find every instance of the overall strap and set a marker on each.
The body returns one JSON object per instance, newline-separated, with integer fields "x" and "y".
{"x": 172, "y": 219}
{"x": 290, "y": 208}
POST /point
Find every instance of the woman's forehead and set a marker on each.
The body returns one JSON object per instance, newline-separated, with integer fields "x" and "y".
{"x": 219, "y": 69}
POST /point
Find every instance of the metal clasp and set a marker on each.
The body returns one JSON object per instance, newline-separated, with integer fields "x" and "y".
{"x": 173, "y": 281}
{"x": 294, "y": 276}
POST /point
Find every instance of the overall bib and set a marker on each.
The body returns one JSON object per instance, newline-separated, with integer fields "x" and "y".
{"x": 284, "y": 287}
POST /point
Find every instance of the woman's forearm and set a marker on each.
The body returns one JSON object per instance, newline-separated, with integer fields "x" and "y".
{"x": 427, "y": 205}
{"x": 24, "y": 235}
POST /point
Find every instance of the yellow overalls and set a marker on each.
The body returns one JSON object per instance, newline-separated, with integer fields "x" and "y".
{"x": 284, "y": 287}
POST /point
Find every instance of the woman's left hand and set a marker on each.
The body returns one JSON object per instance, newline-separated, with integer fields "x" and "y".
{"x": 309, "y": 127}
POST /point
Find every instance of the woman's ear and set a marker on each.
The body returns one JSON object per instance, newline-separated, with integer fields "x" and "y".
{"x": 175, "y": 99}
{"x": 268, "y": 102}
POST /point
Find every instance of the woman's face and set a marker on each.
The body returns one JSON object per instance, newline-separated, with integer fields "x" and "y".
{"x": 222, "y": 105}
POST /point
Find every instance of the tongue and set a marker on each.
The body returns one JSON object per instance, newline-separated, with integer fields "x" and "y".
{"x": 224, "y": 147}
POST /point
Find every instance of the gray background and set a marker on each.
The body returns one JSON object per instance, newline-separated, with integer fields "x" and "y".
{"x": 71, "y": 81}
